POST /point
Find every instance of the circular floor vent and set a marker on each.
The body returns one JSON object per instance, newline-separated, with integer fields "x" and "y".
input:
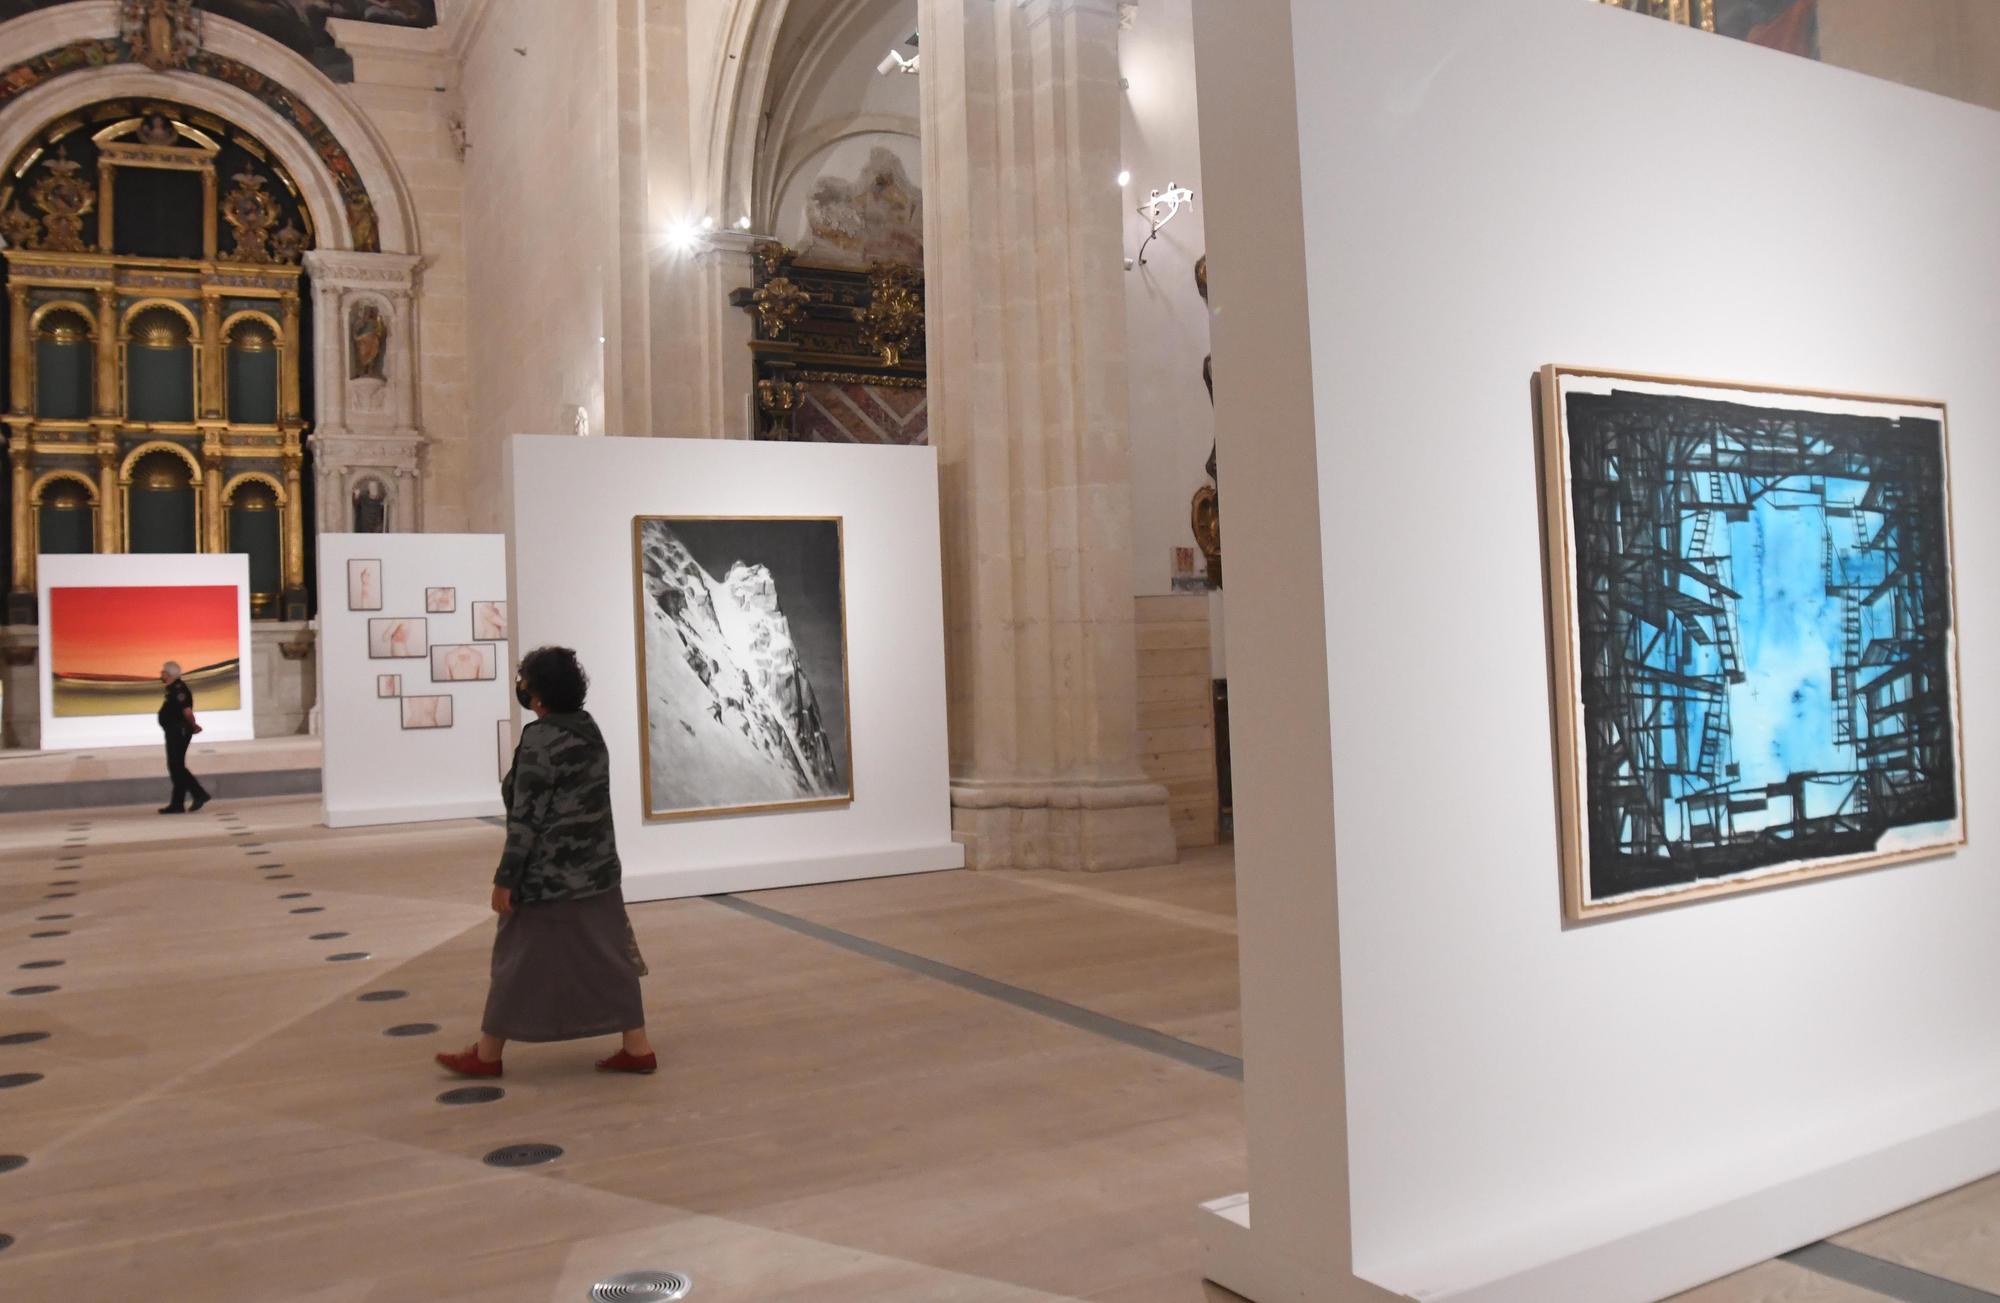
{"x": 635, "y": 1286}
{"x": 528, "y": 1155}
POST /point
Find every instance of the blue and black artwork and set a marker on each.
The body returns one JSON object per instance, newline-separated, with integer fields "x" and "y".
{"x": 1761, "y": 603}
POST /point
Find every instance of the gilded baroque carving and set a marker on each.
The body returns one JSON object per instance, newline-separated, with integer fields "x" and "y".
{"x": 252, "y": 212}
{"x": 161, "y": 34}
{"x": 894, "y": 317}
{"x": 18, "y": 229}
{"x": 780, "y": 304}
{"x": 64, "y": 198}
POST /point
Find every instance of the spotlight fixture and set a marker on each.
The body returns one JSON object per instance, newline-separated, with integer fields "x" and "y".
{"x": 743, "y": 222}
{"x": 684, "y": 236}
{"x": 1162, "y": 207}
{"x": 894, "y": 61}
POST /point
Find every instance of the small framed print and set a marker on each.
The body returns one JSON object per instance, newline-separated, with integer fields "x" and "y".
{"x": 398, "y": 638}
{"x": 463, "y": 662}
{"x": 364, "y": 584}
{"x": 388, "y": 685}
{"x": 489, "y": 621}
{"x": 505, "y": 738}
{"x": 440, "y": 601}
{"x": 427, "y": 712}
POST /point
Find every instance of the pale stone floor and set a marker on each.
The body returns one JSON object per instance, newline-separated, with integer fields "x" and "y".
{"x": 219, "y": 1118}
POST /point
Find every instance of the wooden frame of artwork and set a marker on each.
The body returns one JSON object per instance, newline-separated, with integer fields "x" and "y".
{"x": 724, "y": 700}
{"x": 489, "y": 621}
{"x": 362, "y": 572}
{"x": 1698, "y": 699}
{"x": 417, "y": 706}
{"x": 452, "y": 653}
{"x": 388, "y": 685}
{"x": 381, "y": 633}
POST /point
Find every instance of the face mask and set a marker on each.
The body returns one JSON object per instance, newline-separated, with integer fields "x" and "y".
{"x": 521, "y": 695}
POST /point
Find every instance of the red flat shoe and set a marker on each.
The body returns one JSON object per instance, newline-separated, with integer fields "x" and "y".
{"x": 467, "y": 1063}
{"x": 623, "y": 1062}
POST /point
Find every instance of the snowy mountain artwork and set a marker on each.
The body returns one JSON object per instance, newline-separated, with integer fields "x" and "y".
{"x": 743, "y": 664}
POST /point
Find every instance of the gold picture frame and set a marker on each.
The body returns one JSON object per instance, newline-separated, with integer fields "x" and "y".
{"x": 654, "y": 814}
{"x": 1706, "y": 619}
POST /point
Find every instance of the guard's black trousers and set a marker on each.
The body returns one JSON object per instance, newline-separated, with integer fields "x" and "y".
{"x": 185, "y": 784}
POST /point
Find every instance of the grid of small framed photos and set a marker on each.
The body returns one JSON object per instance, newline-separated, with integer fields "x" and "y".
{"x": 424, "y": 638}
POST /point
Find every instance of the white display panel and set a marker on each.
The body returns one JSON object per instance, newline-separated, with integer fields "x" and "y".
{"x": 572, "y": 503}
{"x": 1520, "y": 1110}
{"x": 378, "y": 770}
{"x": 143, "y": 640}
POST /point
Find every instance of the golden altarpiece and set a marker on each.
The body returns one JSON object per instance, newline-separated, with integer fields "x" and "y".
{"x": 155, "y": 334}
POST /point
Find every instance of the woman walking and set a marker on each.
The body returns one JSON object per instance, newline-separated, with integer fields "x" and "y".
{"x": 565, "y": 963}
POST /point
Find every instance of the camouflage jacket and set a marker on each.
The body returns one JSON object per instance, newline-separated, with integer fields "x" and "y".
{"x": 560, "y": 843}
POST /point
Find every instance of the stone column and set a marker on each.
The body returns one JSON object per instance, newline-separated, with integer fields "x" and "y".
{"x": 24, "y": 534}
{"x": 109, "y": 341}
{"x": 22, "y": 346}
{"x": 211, "y": 498}
{"x": 110, "y": 516}
{"x": 1027, "y": 392}
{"x": 210, "y": 371}
{"x": 288, "y": 376}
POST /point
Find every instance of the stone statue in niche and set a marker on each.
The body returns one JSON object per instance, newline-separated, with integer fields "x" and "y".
{"x": 579, "y": 422}
{"x": 371, "y": 508}
{"x": 877, "y": 216}
{"x": 367, "y": 344}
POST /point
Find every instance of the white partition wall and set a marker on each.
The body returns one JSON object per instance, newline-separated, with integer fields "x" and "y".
{"x": 1450, "y": 1093}
{"x": 572, "y": 504}
{"x": 443, "y": 765}
{"x": 109, "y": 621}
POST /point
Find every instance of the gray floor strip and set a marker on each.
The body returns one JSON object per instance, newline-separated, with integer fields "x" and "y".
{"x": 1125, "y": 1033}
{"x": 1897, "y": 1282}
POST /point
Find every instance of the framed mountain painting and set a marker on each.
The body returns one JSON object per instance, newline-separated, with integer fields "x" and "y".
{"x": 743, "y": 664}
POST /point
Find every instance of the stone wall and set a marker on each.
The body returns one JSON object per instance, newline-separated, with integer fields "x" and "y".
{"x": 1166, "y": 322}
{"x": 540, "y": 95}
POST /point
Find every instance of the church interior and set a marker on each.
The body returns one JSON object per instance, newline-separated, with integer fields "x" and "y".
{"x": 851, "y": 383}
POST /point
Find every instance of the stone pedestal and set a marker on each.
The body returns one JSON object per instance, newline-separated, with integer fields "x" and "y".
{"x": 1028, "y": 394}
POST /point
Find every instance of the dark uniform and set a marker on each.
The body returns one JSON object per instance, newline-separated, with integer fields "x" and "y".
{"x": 174, "y": 723}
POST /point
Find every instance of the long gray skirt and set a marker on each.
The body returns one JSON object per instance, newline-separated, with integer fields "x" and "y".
{"x": 564, "y": 970}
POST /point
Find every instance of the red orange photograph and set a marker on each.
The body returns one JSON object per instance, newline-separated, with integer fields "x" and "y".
{"x": 106, "y": 646}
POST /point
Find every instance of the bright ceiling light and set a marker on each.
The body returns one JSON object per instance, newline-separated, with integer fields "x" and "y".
{"x": 683, "y": 236}
{"x": 1124, "y": 179}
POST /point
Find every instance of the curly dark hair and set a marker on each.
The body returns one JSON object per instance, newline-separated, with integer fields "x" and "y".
{"x": 554, "y": 675}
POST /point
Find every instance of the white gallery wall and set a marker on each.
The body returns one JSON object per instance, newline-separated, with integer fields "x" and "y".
{"x": 377, "y": 771}
{"x": 571, "y": 558}
{"x": 1510, "y": 1108}
{"x": 137, "y": 570}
